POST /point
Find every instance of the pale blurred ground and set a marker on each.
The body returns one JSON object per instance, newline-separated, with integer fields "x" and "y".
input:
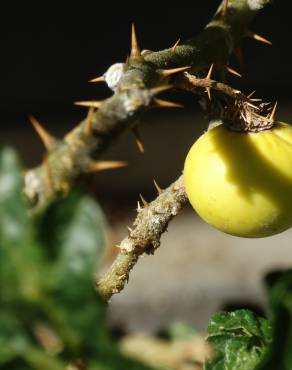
{"x": 197, "y": 269}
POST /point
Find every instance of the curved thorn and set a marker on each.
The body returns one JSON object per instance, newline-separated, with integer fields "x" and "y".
{"x": 89, "y": 104}
{"x": 139, "y": 208}
{"x": 145, "y": 203}
{"x": 208, "y": 90}
{"x": 158, "y": 188}
{"x": 48, "y": 140}
{"x": 158, "y": 103}
{"x": 173, "y": 48}
{"x": 169, "y": 72}
{"x": 138, "y": 139}
{"x": 232, "y": 71}
{"x": 257, "y": 37}
{"x": 271, "y": 116}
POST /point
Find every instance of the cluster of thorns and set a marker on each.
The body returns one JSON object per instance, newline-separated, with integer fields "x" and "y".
{"x": 240, "y": 112}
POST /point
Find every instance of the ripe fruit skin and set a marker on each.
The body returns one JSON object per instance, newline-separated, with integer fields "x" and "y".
{"x": 241, "y": 183}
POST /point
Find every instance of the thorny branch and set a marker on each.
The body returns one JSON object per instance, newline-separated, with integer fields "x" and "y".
{"x": 149, "y": 225}
{"x": 239, "y": 112}
{"x": 133, "y": 83}
{"x": 136, "y": 84}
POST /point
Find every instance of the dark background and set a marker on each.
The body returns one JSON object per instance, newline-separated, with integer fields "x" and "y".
{"x": 49, "y": 50}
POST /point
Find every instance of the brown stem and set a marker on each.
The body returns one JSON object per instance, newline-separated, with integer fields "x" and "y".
{"x": 240, "y": 112}
{"x": 149, "y": 225}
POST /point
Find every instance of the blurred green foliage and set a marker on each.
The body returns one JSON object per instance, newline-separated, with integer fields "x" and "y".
{"x": 50, "y": 312}
{"x": 279, "y": 288}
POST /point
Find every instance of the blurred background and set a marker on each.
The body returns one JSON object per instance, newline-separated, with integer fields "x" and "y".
{"x": 49, "y": 52}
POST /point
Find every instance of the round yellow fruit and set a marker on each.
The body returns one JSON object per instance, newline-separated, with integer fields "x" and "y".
{"x": 241, "y": 183}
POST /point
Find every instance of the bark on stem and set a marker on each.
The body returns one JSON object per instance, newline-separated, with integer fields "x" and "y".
{"x": 149, "y": 225}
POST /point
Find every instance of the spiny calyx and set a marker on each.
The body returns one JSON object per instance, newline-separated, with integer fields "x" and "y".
{"x": 246, "y": 116}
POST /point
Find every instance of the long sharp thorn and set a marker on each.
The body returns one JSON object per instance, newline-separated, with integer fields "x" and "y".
{"x": 129, "y": 229}
{"x": 158, "y": 188}
{"x": 173, "y": 48}
{"x": 273, "y": 113}
{"x": 145, "y": 203}
{"x": 135, "y": 49}
{"x": 159, "y": 89}
{"x": 232, "y": 71}
{"x": 208, "y": 77}
{"x": 210, "y": 72}
{"x": 257, "y": 37}
{"x": 88, "y": 123}
{"x": 251, "y": 94}
{"x": 253, "y": 106}
{"x": 105, "y": 165}
{"x": 98, "y": 79}
{"x": 208, "y": 90}
{"x": 169, "y": 72}
{"x": 48, "y": 140}
{"x": 224, "y": 7}
{"x": 165, "y": 104}
{"x": 138, "y": 139}
{"x": 139, "y": 208}
{"x": 88, "y": 104}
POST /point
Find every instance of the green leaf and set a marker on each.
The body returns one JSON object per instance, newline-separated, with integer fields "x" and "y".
{"x": 279, "y": 286}
{"x": 12, "y": 338}
{"x": 13, "y": 215}
{"x": 20, "y": 258}
{"x": 47, "y": 271}
{"x": 240, "y": 339}
{"x": 72, "y": 229}
{"x": 72, "y": 233}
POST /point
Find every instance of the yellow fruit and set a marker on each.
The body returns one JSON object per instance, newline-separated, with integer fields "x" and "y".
{"x": 241, "y": 183}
